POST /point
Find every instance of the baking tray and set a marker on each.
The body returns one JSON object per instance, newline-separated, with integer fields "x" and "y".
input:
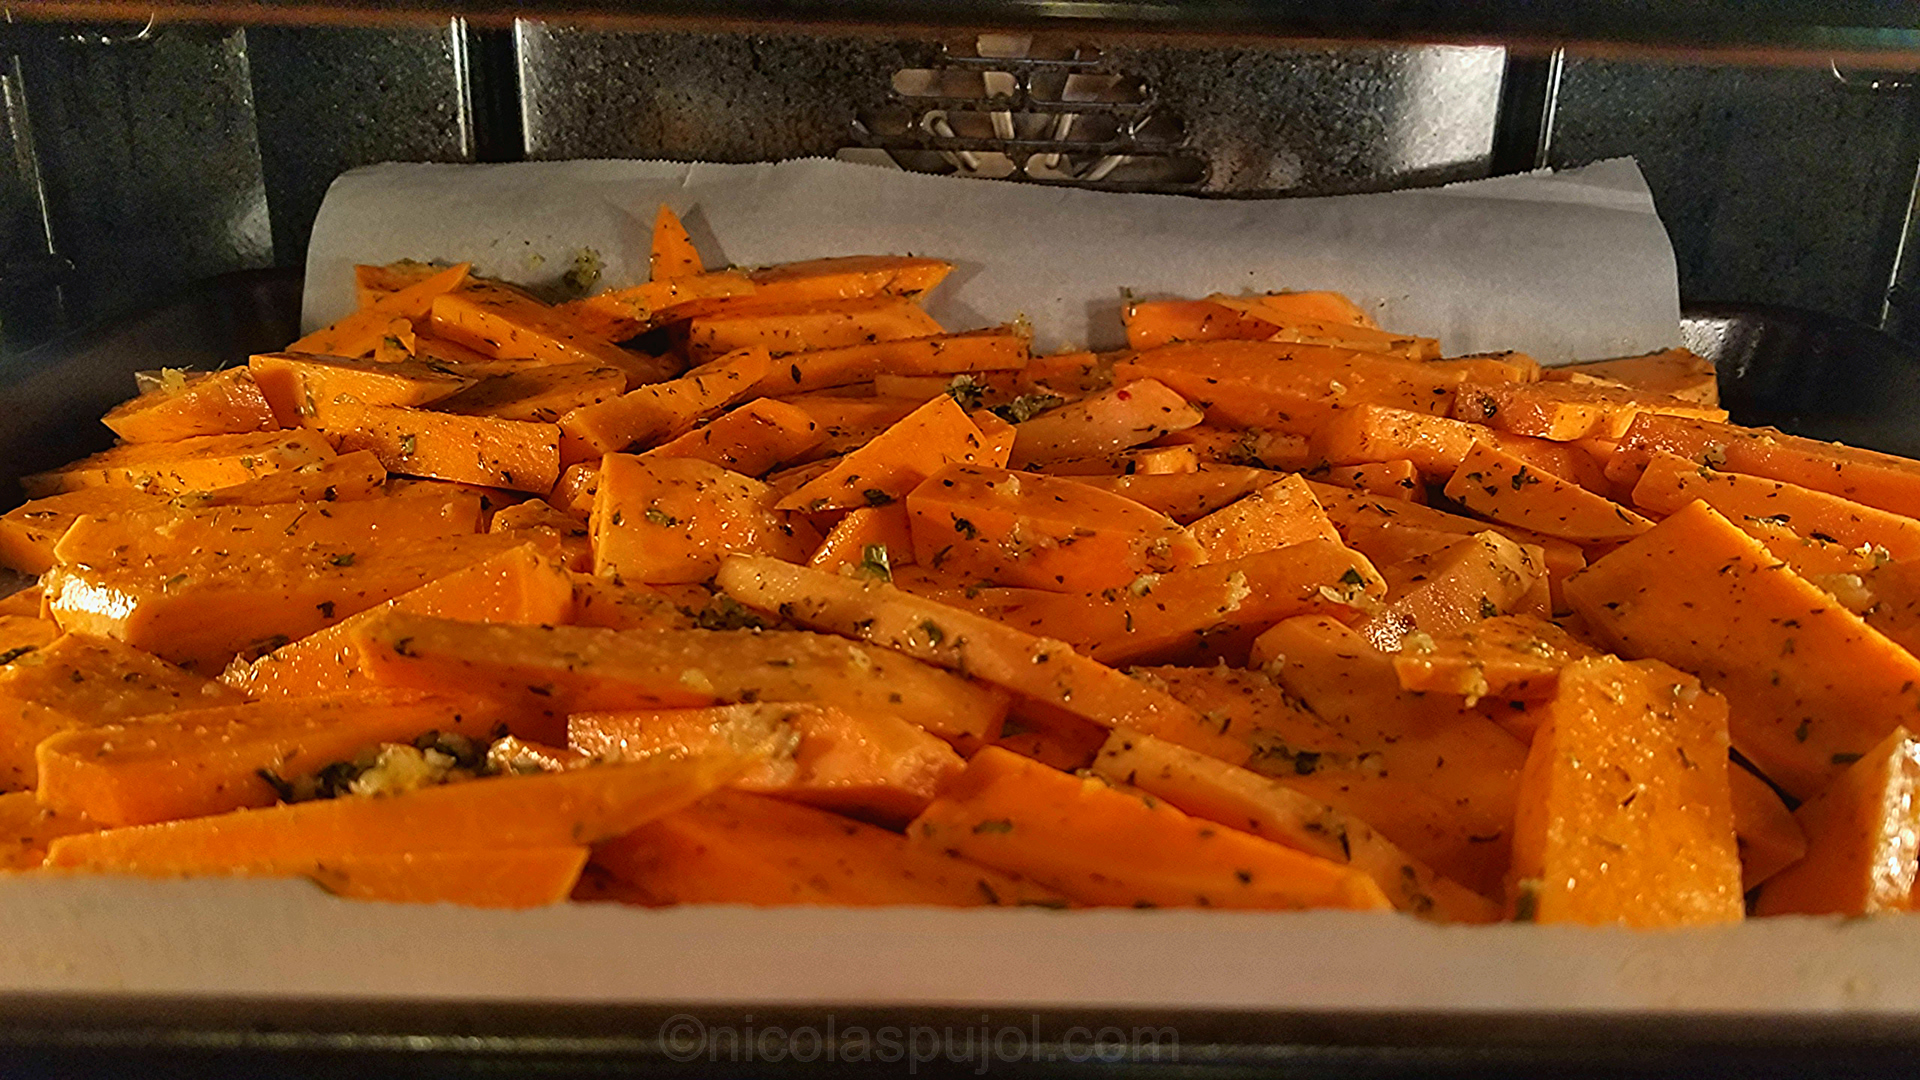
{"x": 1804, "y": 372}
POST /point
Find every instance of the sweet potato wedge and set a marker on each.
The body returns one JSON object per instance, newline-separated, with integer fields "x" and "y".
{"x": 671, "y": 520}
{"x": 660, "y": 411}
{"x": 1671, "y": 482}
{"x": 1285, "y": 387}
{"x": 485, "y": 450}
{"x": 1624, "y": 813}
{"x": 26, "y": 828}
{"x": 1883, "y": 481}
{"x": 898, "y": 460}
{"x": 1397, "y": 479}
{"x": 1281, "y": 513}
{"x": 348, "y": 478}
{"x": 29, "y": 532}
{"x": 544, "y": 810}
{"x": 1040, "y": 531}
{"x": 1428, "y": 741}
{"x": 752, "y": 440}
{"x": 296, "y": 384}
{"x": 557, "y": 670}
{"x": 872, "y": 766}
{"x": 1672, "y": 372}
{"x": 673, "y": 254}
{"x": 217, "y": 403}
{"x": 1213, "y": 790}
{"x": 1451, "y": 586}
{"x": 196, "y": 762}
{"x": 1090, "y": 841}
{"x": 503, "y": 323}
{"x": 738, "y": 848}
{"x": 1046, "y": 671}
{"x": 1563, "y": 411}
{"x": 978, "y": 351}
{"x": 358, "y": 333}
{"x": 201, "y": 612}
{"x": 852, "y": 539}
{"x": 1812, "y": 686}
{"x": 1103, "y": 423}
{"x": 521, "y": 585}
{"x": 1507, "y": 656}
{"x": 1862, "y": 834}
{"x": 510, "y": 878}
{"x": 200, "y": 463}
{"x": 77, "y": 681}
{"x": 1498, "y": 485}
{"x": 783, "y": 328}
{"x": 1167, "y": 618}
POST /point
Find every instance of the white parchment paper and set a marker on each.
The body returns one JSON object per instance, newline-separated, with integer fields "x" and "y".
{"x": 1573, "y": 265}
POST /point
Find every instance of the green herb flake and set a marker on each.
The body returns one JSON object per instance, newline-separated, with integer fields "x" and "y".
{"x": 657, "y": 516}
{"x": 876, "y": 563}
{"x": 407, "y": 445}
{"x": 1000, "y": 825}
{"x": 345, "y": 559}
{"x": 935, "y": 635}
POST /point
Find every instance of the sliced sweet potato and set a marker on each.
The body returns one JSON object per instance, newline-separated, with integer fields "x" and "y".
{"x": 1565, "y": 411}
{"x": 520, "y": 585}
{"x": 1501, "y": 486}
{"x": 1285, "y": 387}
{"x": 979, "y": 351}
{"x": 1671, "y": 481}
{"x": 1673, "y": 372}
{"x": 1398, "y": 479}
{"x": 783, "y": 327}
{"x": 503, "y": 323}
{"x": 1281, "y": 513}
{"x": 1104, "y": 846}
{"x": 1102, "y": 423}
{"x": 21, "y": 634}
{"x": 347, "y": 478}
{"x": 1862, "y": 834}
{"x": 1883, "y": 481}
{"x": 1153, "y": 323}
{"x": 512, "y": 878}
{"x": 1507, "y": 366}
{"x": 77, "y": 681}
{"x": 1046, "y": 671}
{"x": 1812, "y": 686}
{"x": 898, "y": 460}
{"x": 557, "y": 670}
{"x": 851, "y": 541}
{"x": 541, "y": 393}
{"x": 1040, "y": 531}
{"x": 201, "y": 612}
{"x": 1216, "y": 791}
{"x": 1507, "y": 656}
{"x": 167, "y": 535}
{"x": 484, "y": 450}
{"x": 753, "y": 439}
{"x": 871, "y": 766}
{"x": 618, "y": 314}
{"x": 575, "y": 490}
{"x": 673, "y": 254}
{"x": 1187, "y": 497}
{"x": 1166, "y": 618}
{"x": 1451, "y": 587}
{"x": 200, "y": 463}
{"x": 1624, "y": 814}
{"x": 671, "y": 520}
{"x": 1372, "y": 524}
{"x": 26, "y": 828}
{"x": 195, "y": 762}
{"x": 217, "y": 403}
{"x": 296, "y": 385}
{"x": 1255, "y": 448}
{"x": 29, "y": 532}
{"x": 737, "y": 848}
{"x": 542, "y": 810}
{"x": 660, "y": 411}
{"x": 1769, "y": 836}
{"x": 358, "y": 333}
{"x": 1291, "y": 324}
{"x": 1428, "y": 741}
{"x": 1437, "y": 445}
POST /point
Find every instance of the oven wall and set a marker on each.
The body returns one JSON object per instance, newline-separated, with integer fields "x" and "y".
{"x": 139, "y": 160}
